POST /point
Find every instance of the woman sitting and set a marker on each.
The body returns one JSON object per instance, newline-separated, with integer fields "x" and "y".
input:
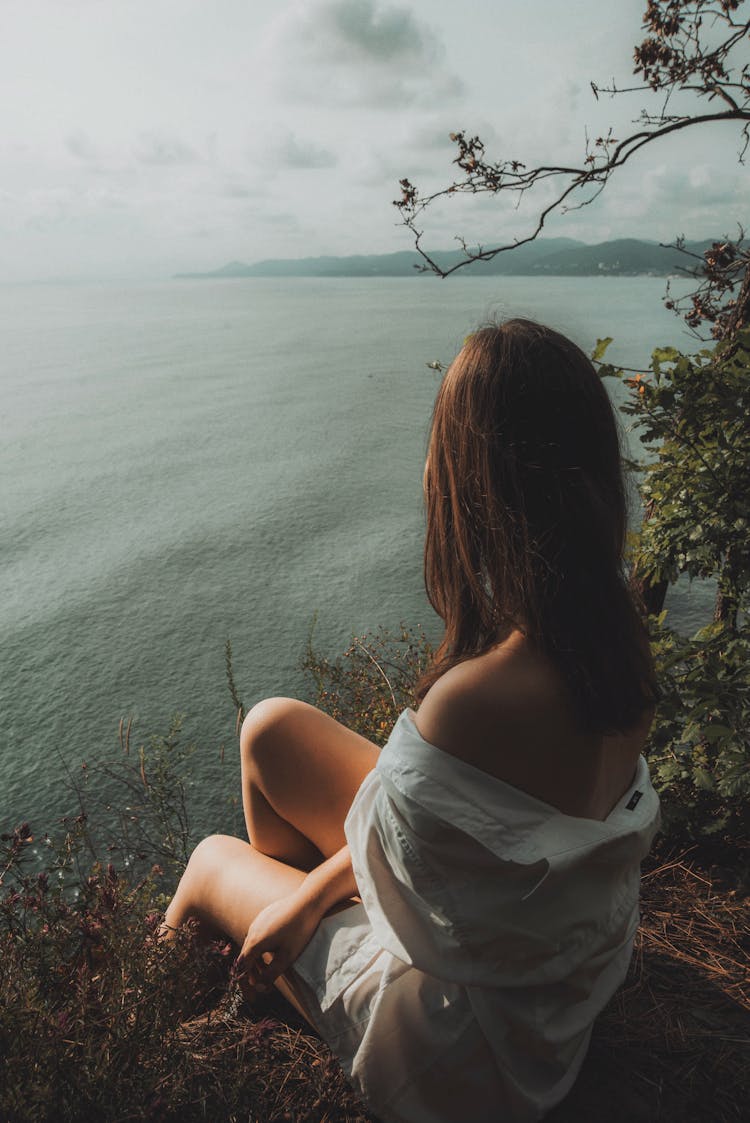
{"x": 451, "y": 913}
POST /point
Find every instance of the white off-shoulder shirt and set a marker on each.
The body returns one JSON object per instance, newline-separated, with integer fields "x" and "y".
{"x": 492, "y": 930}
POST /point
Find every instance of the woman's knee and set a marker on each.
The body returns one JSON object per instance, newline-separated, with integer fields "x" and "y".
{"x": 208, "y": 858}
{"x": 262, "y": 733}
{"x": 203, "y": 868}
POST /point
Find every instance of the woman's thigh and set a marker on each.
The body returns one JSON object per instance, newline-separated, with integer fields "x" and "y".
{"x": 305, "y": 768}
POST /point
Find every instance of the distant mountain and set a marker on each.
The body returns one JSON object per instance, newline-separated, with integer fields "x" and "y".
{"x": 552, "y": 257}
{"x": 623, "y": 257}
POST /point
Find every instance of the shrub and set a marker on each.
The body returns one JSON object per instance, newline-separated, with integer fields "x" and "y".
{"x": 99, "y": 1020}
{"x": 368, "y": 687}
{"x": 690, "y": 413}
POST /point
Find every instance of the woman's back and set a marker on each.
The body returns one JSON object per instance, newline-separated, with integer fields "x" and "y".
{"x": 493, "y": 927}
{"x": 507, "y": 712}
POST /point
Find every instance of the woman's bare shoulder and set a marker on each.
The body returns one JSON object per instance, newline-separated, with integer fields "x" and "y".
{"x": 499, "y": 700}
{"x": 508, "y": 713}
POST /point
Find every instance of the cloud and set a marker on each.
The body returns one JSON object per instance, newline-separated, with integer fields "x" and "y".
{"x": 700, "y": 176}
{"x": 346, "y": 53}
{"x": 287, "y": 220}
{"x": 571, "y": 96}
{"x": 47, "y": 208}
{"x": 293, "y": 153}
{"x": 163, "y": 149}
{"x": 430, "y": 136}
{"x": 80, "y": 145}
{"x": 238, "y": 189}
{"x": 360, "y": 28}
{"x": 668, "y": 191}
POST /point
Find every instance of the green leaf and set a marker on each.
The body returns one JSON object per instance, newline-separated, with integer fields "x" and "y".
{"x": 601, "y": 346}
{"x": 714, "y": 733}
{"x": 666, "y": 355}
{"x": 704, "y": 780}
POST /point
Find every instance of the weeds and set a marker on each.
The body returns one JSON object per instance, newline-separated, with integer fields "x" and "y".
{"x": 368, "y": 687}
{"x": 101, "y": 1021}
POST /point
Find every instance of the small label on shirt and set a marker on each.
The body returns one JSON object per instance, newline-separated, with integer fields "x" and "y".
{"x": 630, "y": 805}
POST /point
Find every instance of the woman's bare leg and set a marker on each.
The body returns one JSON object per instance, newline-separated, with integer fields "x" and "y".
{"x": 225, "y": 885}
{"x": 300, "y": 772}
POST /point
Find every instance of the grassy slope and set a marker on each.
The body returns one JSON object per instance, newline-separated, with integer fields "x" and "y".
{"x": 99, "y": 1021}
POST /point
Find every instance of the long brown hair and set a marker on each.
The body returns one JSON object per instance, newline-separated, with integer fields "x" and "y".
{"x": 526, "y": 520}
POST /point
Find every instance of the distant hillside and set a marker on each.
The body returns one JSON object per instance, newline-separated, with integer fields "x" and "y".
{"x": 552, "y": 257}
{"x": 625, "y": 256}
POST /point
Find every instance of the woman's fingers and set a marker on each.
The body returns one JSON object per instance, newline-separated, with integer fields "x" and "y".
{"x": 275, "y": 966}
{"x": 260, "y": 963}
{"x": 273, "y": 941}
{"x": 250, "y": 952}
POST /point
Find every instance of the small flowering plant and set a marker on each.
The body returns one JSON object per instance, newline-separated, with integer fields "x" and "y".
{"x": 102, "y": 1019}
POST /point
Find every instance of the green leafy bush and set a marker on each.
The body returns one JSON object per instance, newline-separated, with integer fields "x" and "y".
{"x": 699, "y": 750}
{"x": 690, "y": 412}
{"x": 368, "y": 687}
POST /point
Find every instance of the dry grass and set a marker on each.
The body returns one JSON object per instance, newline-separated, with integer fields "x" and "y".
{"x": 673, "y": 1045}
{"x": 294, "y": 1076}
{"x": 100, "y": 1022}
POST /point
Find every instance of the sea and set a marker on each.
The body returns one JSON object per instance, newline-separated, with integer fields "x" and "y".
{"x": 184, "y": 462}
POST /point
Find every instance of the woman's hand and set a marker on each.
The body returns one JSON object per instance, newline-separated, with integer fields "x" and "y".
{"x": 283, "y": 929}
{"x": 276, "y": 938}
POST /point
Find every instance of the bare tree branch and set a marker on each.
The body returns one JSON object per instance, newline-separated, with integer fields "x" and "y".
{"x": 680, "y": 55}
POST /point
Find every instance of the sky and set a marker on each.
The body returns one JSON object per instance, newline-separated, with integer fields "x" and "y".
{"x": 139, "y": 138}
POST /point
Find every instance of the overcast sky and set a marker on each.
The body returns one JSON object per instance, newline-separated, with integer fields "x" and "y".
{"x": 144, "y": 137}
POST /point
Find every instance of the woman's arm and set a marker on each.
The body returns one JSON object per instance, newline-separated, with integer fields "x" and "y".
{"x": 330, "y": 882}
{"x": 283, "y": 929}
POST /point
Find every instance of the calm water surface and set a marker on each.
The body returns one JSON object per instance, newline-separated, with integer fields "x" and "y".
{"x": 183, "y": 462}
